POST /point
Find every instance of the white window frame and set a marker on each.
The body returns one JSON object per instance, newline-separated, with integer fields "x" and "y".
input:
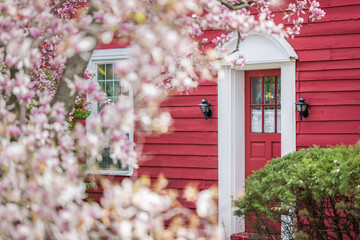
{"x": 106, "y": 56}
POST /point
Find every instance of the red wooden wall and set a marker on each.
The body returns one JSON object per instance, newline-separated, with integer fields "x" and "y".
{"x": 188, "y": 152}
{"x": 328, "y": 75}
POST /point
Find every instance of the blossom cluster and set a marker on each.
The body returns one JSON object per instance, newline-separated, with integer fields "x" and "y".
{"x": 297, "y": 10}
{"x": 45, "y": 46}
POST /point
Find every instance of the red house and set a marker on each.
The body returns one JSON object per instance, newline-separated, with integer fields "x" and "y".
{"x": 254, "y": 117}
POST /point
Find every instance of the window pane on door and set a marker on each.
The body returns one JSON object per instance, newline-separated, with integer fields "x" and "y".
{"x": 269, "y": 90}
{"x": 256, "y": 90}
{"x": 256, "y": 119}
{"x": 269, "y": 119}
{"x": 278, "y": 89}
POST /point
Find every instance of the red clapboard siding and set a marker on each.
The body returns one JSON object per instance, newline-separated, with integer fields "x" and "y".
{"x": 330, "y": 75}
{"x": 340, "y": 13}
{"x": 181, "y": 184}
{"x": 345, "y": 53}
{"x": 329, "y": 54}
{"x": 324, "y": 42}
{"x": 202, "y": 138}
{"x": 334, "y": 113}
{"x": 190, "y": 112}
{"x": 187, "y": 101}
{"x": 323, "y": 140}
{"x": 199, "y": 91}
{"x": 207, "y": 82}
{"x": 329, "y": 86}
{"x": 343, "y": 12}
{"x": 182, "y": 173}
{"x": 336, "y": 3}
{"x": 331, "y": 27}
{"x": 194, "y": 124}
{"x": 180, "y": 149}
{"x": 179, "y": 161}
{"x": 186, "y": 125}
{"x": 334, "y": 98}
{"x": 115, "y": 43}
{"x": 314, "y": 55}
{"x": 334, "y": 127}
{"x": 329, "y": 65}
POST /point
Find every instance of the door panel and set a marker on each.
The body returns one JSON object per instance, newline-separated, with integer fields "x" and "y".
{"x": 262, "y": 118}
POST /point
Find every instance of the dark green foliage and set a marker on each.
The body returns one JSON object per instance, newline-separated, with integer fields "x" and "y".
{"x": 88, "y": 186}
{"x": 78, "y": 114}
{"x": 318, "y": 188}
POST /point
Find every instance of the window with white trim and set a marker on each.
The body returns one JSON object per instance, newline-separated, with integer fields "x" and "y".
{"x": 102, "y": 63}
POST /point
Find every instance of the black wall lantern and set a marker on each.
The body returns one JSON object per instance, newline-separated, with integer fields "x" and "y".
{"x": 205, "y": 108}
{"x": 301, "y": 107}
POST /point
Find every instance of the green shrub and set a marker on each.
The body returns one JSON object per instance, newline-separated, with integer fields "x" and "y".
{"x": 78, "y": 114}
{"x": 318, "y": 188}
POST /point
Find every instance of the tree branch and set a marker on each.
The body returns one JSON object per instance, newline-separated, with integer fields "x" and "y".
{"x": 75, "y": 65}
{"x": 234, "y": 7}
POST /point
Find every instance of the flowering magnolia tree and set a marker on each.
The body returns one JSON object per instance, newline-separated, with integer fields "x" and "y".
{"x": 45, "y": 46}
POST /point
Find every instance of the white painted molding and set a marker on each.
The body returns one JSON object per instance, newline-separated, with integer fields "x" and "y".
{"x": 259, "y": 48}
{"x": 231, "y": 146}
{"x": 103, "y": 56}
{"x": 231, "y": 117}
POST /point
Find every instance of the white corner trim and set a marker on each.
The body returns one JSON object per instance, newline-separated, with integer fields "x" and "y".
{"x": 231, "y": 126}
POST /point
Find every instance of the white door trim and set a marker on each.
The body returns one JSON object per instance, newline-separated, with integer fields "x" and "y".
{"x": 231, "y": 122}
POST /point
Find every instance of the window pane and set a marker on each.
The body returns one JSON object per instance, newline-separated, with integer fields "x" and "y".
{"x": 112, "y": 87}
{"x": 278, "y": 119}
{"x": 256, "y": 119}
{"x": 269, "y": 119}
{"x": 278, "y": 89}
{"x": 102, "y": 85}
{"x": 109, "y": 89}
{"x": 101, "y": 72}
{"x": 269, "y": 90}
{"x": 117, "y": 88}
{"x": 109, "y": 72}
{"x": 107, "y": 162}
{"x": 256, "y": 90}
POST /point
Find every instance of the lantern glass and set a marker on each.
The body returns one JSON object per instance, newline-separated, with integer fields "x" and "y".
{"x": 203, "y": 108}
{"x": 303, "y": 107}
{"x": 298, "y": 107}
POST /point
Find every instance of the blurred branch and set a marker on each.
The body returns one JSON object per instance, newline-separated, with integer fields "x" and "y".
{"x": 235, "y": 7}
{"x": 75, "y": 65}
{"x": 56, "y": 6}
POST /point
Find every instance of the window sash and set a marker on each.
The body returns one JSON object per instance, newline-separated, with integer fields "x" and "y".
{"x": 106, "y": 57}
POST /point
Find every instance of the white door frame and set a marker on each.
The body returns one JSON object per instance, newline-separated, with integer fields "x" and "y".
{"x": 261, "y": 52}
